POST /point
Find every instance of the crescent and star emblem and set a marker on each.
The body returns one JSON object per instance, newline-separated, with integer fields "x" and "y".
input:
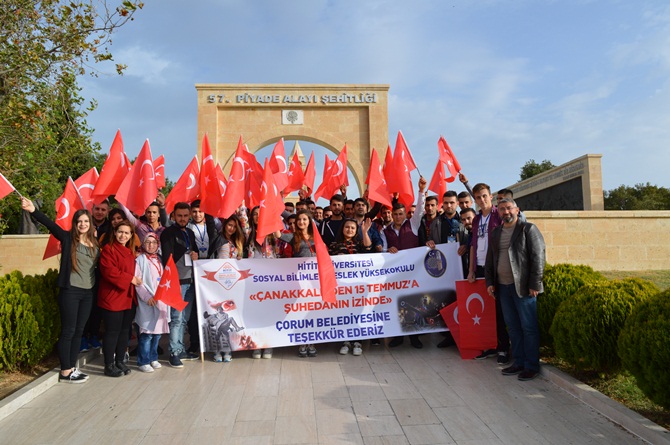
{"x": 66, "y": 203}
{"x": 283, "y": 161}
{"x": 479, "y": 298}
{"x": 192, "y": 178}
{"x": 241, "y": 161}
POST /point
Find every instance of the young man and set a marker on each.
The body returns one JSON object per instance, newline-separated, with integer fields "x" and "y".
{"x": 100, "y": 221}
{"x": 360, "y": 215}
{"x": 444, "y": 229}
{"x": 331, "y": 226}
{"x": 483, "y": 224}
{"x": 428, "y": 218}
{"x": 464, "y": 200}
{"x": 179, "y": 241}
{"x": 403, "y": 233}
{"x": 514, "y": 267}
{"x": 348, "y": 209}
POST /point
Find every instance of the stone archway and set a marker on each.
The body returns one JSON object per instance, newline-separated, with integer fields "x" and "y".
{"x": 328, "y": 115}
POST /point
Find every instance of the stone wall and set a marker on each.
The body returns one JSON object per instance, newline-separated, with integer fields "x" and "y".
{"x": 604, "y": 240}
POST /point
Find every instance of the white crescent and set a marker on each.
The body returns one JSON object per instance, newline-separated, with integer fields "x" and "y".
{"x": 160, "y": 167}
{"x": 192, "y": 178}
{"x": 146, "y": 161}
{"x": 85, "y": 186}
{"x": 264, "y": 186}
{"x": 474, "y": 296}
{"x": 241, "y": 161}
{"x": 456, "y": 315}
{"x": 283, "y": 161}
{"x": 66, "y": 203}
{"x": 208, "y": 158}
{"x": 339, "y": 168}
{"x": 123, "y": 160}
{"x": 223, "y": 187}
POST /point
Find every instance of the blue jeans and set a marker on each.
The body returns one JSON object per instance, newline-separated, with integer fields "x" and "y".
{"x": 147, "y": 348}
{"x": 179, "y": 319}
{"x": 521, "y": 319}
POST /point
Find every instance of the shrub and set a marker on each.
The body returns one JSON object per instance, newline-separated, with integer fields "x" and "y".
{"x": 643, "y": 347}
{"x": 586, "y": 326}
{"x": 17, "y": 323}
{"x": 29, "y": 318}
{"x": 560, "y": 282}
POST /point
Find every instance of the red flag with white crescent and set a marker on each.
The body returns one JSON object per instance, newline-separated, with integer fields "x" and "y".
{"x": 278, "y": 165}
{"x": 138, "y": 189}
{"x": 66, "y": 206}
{"x": 477, "y": 315}
{"x": 186, "y": 189}
{"x": 448, "y": 158}
{"x": 450, "y": 316}
{"x": 377, "y": 190}
{"x": 401, "y": 180}
{"x": 310, "y": 175}
{"x": 113, "y": 171}
{"x": 296, "y": 177}
{"x": 438, "y": 183}
{"x": 236, "y": 191}
{"x": 271, "y": 206}
{"x": 210, "y": 191}
{"x": 85, "y": 186}
{"x": 159, "y": 171}
{"x": 169, "y": 290}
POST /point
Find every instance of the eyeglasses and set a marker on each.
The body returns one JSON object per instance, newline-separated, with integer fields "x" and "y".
{"x": 151, "y": 242}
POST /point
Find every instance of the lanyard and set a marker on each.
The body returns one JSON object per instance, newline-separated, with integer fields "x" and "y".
{"x": 187, "y": 240}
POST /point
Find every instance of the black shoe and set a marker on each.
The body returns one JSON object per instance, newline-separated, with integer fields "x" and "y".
{"x": 512, "y": 370}
{"x": 188, "y": 356}
{"x": 396, "y": 341}
{"x": 449, "y": 341}
{"x": 414, "y": 340}
{"x": 503, "y": 358}
{"x": 175, "y": 362}
{"x": 486, "y": 354}
{"x": 527, "y": 374}
{"x": 123, "y": 368}
{"x": 112, "y": 371}
{"x": 73, "y": 377}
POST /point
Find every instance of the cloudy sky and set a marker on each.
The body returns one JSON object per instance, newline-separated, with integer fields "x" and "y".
{"x": 504, "y": 81}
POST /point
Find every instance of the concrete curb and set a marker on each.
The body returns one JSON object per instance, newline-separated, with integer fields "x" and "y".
{"x": 613, "y": 410}
{"x": 34, "y": 389}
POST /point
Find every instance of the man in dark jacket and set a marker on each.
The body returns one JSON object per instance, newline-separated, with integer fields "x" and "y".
{"x": 514, "y": 267}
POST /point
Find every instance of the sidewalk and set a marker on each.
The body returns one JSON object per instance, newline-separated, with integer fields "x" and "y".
{"x": 386, "y": 396}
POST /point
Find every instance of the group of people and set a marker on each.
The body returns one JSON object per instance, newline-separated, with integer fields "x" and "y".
{"x": 112, "y": 263}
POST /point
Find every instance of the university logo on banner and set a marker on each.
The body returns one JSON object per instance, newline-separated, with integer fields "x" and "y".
{"x": 227, "y": 275}
{"x": 477, "y": 315}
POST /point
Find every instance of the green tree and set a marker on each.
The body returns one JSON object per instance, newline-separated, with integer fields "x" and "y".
{"x": 640, "y": 197}
{"x": 44, "y": 46}
{"x": 532, "y": 168}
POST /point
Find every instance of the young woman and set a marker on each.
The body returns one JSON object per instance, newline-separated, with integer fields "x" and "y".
{"x": 79, "y": 257}
{"x": 115, "y": 297}
{"x": 152, "y": 316}
{"x": 348, "y": 242}
{"x": 302, "y": 242}
{"x": 115, "y": 217}
{"x": 228, "y": 244}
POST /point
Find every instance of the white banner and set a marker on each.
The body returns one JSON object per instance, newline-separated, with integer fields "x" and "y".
{"x": 265, "y": 303}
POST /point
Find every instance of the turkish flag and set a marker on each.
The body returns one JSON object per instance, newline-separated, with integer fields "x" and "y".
{"x": 438, "y": 183}
{"x": 159, "y": 171}
{"x": 448, "y": 158}
{"x": 138, "y": 189}
{"x": 296, "y": 176}
{"x": 169, "y": 290}
{"x": 450, "y": 316}
{"x": 66, "y": 206}
{"x": 222, "y": 182}
{"x": 310, "y": 174}
{"x": 210, "y": 191}
{"x": 254, "y": 178}
{"x": 236, "y": 191}
{"x": 388, "y": 165}
{"x": 326, "y": 188}
{"x": 186, "y": 189}
{"x": 85, "y": 186}
{"x": 5, "y": 186}
{"x": 377, "y": 190}
{"x": 271, "y": 206}
{"x": 113, "y": 172}
{"x": 327, "y": 279}
{"x": 278, "y": 165}
{"x": 401, "y": 180}
{"x": 477, "y": 311}
{"x": 340, "y": 174}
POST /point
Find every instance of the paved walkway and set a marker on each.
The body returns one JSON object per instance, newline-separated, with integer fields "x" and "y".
{"x": 396, "y": 396}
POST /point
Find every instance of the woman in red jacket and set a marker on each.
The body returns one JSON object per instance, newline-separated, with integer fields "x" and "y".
{"x": 115, "y": 296}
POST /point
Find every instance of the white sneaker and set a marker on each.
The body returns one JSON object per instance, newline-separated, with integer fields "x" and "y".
{"x": 358, "y": 349}
{"x": 217, "y": 357}
{"x": 156, "y": 364}
{"x": 344, "y": 350}
{"x": 146, "y": 368}
{"x": 256, "y": 353}
{"x": 267, "y": 353}
{"x": 302, "y": 351}
{"x": 227, "y": 357}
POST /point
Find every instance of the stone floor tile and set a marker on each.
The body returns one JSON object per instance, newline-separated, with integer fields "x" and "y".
{"x": 336, "y": 421}
{"x": 372, "y": 408}
{"x": 253, "y": 428}
{"x": 257, "y": 408}
{"x": 341, "y": 439}
{"x": 379, "y": 426}
{"x": 463, "y": 424}
{"x": 413, "y": 412}
{"x": 295, "y": 430}
{"x": 427, "y": 435}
